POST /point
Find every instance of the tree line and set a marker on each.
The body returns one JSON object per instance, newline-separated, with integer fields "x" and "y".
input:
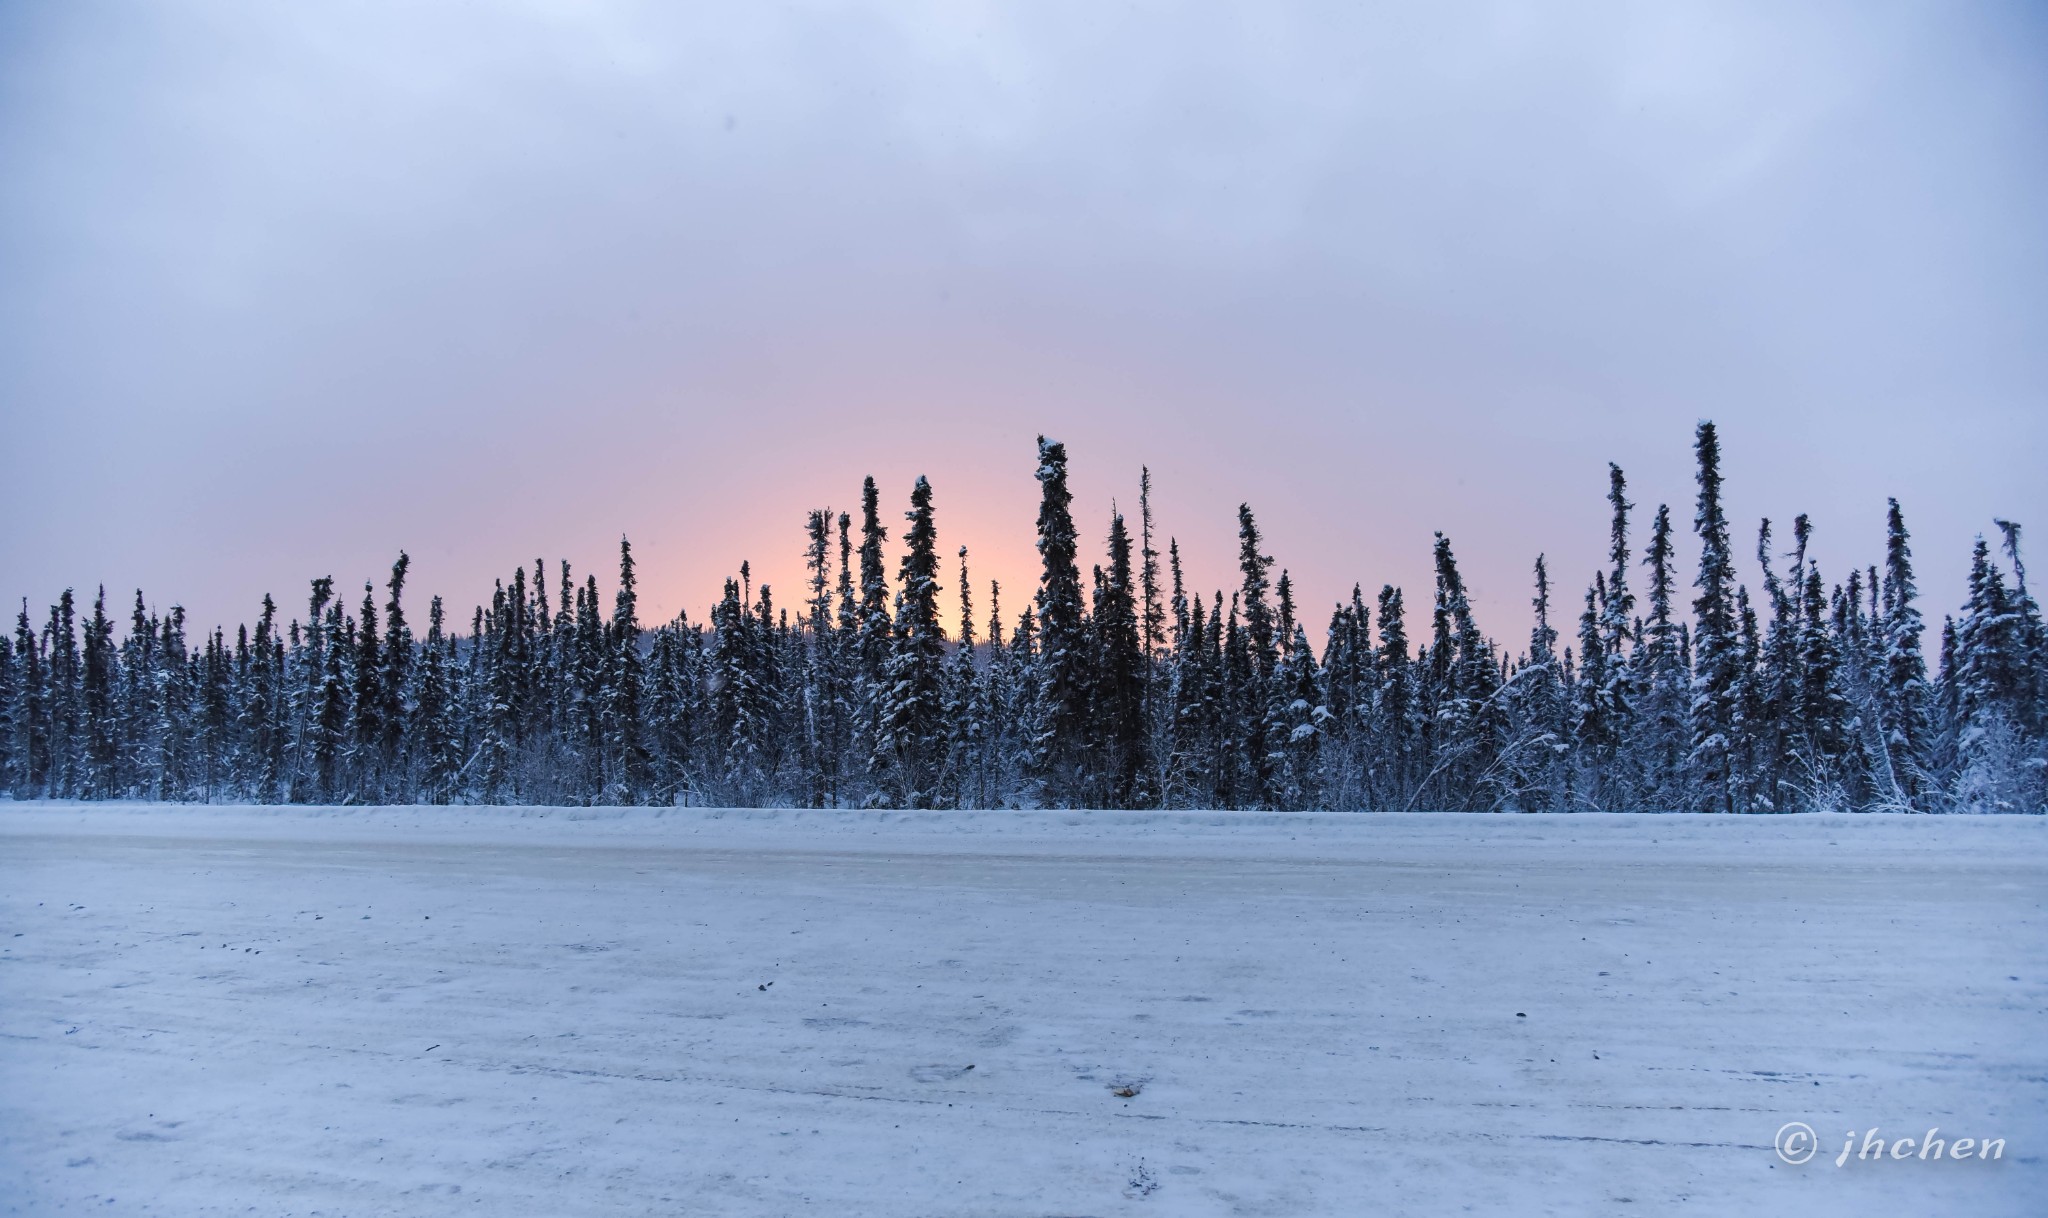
{"x": 1122, "y": 689}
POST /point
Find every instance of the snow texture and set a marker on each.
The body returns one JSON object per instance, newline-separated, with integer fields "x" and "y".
{"x": 431, "y": 1011}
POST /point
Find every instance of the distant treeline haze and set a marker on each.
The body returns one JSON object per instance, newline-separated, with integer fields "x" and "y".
{"x": 1121, "y": 688}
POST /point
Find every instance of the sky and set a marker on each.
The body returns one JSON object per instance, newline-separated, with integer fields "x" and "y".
{"x": 285, "y": 289}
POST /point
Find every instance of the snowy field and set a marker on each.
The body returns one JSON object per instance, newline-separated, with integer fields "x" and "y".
{"x": 521, "y": 1012}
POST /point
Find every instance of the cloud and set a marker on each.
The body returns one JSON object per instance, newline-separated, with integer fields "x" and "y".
{"x": 288, "y": 287}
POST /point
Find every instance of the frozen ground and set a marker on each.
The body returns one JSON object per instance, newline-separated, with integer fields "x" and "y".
{"x": 510, "y": 1012}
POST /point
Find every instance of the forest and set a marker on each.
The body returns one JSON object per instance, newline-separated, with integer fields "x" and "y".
{"x": 1122, "y": 688}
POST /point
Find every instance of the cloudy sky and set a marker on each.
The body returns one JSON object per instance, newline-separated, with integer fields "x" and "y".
{"x": 286, "y": 288}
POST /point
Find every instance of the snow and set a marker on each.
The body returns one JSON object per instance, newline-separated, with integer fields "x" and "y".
{"x": 431, "y": 1011}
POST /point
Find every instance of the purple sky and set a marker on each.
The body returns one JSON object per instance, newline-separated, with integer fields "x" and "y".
{"x": 285, "y": 288}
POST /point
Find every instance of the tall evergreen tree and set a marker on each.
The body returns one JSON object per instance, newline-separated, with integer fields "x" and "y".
{"x": 1121, "y": 763}
{"x": 394, "y": 668}
{"x": 1664, "y": 724}
{"x": 1057, "y": 757}
{"x": 910, "y": 748}
{"x": 1716, "y": 647}
{"x": 101, "y": 719}
{"x": 622, "y": 718}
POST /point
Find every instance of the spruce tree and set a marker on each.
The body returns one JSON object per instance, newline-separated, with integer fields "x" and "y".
{"x": 367, "y": 745}
{"x": 1153, "y": 619}
{"x": 910, "y": 746}
{"x": 1823, "y": 707}
{"x": 1664, "y": 729}
{"x": 965, "y": 782}
{"x": 30, "y": 721}
{"x": 263, "y": 706}
{"x": 1998, "y": 767}
{"x": 101, "y": 722}
{"x": 437, "y": 744}
{"x": 67, "y": 743}
{"x": 820, "y": 697}
{"x": 1466, "y": 721}
{"x": 1121, "y": 764}
{"x": 1254, "y": 689}
{"x": 394, "y": 676}
{"x": 2032, "y": 711}
{"x": 1299, "y": 723}
{"x": 1057, "y": 757}
{"x": 1397, "y": 721}
{"x": 1539, "y": 712}
{"x": 10, "y": 700}
{"x": 622, "y": 718}
{"x": 1716, "y": 648}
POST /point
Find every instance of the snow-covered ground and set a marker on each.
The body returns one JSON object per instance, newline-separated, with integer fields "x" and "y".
{"x": 520, "y": 1012}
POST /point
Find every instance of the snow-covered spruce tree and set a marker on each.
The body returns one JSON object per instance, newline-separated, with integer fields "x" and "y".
{"x": 29, "y": 721}
{"x": 1120, "y": 766}
{"x": 627, "y": 773}
{"x": 996, "y": 778}
{"x": 1162, "y": 685}
{"x": 1605, "y": 701}
{"x": 1777, "y": 684}
{"x": 585, "y": 674}
{"x": 1903, "y": 702}
{"x": 10, "y": 696}
{"x": 331, "y": 722}
{"x": 366, "y": 731}
{"x": 1466, "y": 723}
{"x": 1348, "y": 689}
{"x": 550, "y": 762}
{"x": 436, "y": 743}
{"x": 874, "y": 634}
{"x": 96, "y": 697}
{"x": 135, "y": 710}
{"x": 1196, "y": 689}
{"x": 1236, "y": 672}
{"x": 500, "y": 656}
{"x": 675, "y": 679}
{"x": 739, "y": 720}
{"x": 1998, "y": 765}
{"x": 1715, "y": 645}
{"x": 1663, "y": 726}
{"x": 175, "y": 728}
{"x": 1152, "y": 622}
{"x": 1013, "y": 686}
{"x": 2033, "y": 637}
{"x": 394, "y": 680}
{"x": 1822, "y": 747}
{"x": 1533, "y": 760}
{"x": 309, "y": 675}
{"x": 216, "y": 720}
{"x": 1399, "y": 722}
{"x": 1299, "y": 723}
{"x": 1252, "y": 683}
{"x": 1283, "y": 614}
{"x": 60, "y": 645}
{"x": 775, "y": 652}
{"x": 1596, "y": 743}
{"x": 262, "y": 724}
{"x": 910, "y": 745}
{"x": 1751, "y": 701}
{"x": 964, "y": 776}
{"x": 1057, "y": 753}
{"x": 819, "y": 697}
